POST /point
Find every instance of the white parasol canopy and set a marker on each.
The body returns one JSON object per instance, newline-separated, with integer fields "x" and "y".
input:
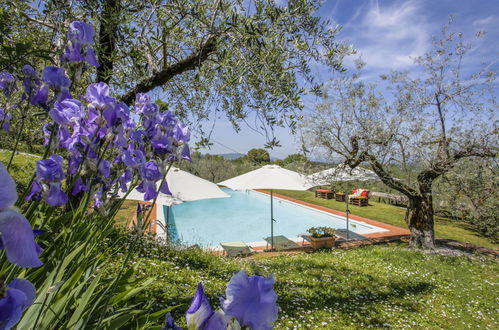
{"x": 185, "y": 187}
{"x": 342, "y": 173}
{"x": 269, "y": 177}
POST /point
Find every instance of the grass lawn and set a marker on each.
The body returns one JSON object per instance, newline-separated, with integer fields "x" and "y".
{"x": 22, "y": 168}
{"x": 381, "y": 286}
{"x": 444, "y": 228}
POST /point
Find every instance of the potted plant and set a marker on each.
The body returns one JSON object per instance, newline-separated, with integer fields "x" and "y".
{"x": 322, "y": 237}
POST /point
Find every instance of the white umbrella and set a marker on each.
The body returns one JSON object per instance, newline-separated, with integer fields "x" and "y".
{"x": 185, "y": 187}
{"x": 269, "y": 177}
{"x": 342, "y": 173}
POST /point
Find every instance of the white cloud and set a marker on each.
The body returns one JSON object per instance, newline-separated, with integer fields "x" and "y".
{"x": 486, "y": 22}
{"x": 388, "y": 36}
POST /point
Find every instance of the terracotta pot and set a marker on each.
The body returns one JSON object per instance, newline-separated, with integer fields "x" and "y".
{"x": 322, "y": 243}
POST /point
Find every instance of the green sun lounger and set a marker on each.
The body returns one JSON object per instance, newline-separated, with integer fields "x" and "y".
{"x": 238, "y": 248}
{"x": 282, "y": 243}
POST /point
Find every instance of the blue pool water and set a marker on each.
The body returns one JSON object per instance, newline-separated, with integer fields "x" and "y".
{"x": 246, "y": 217}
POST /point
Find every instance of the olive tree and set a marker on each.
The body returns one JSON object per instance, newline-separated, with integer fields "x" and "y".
{"x": 233, "y": 57}
{"x": 434, "y": 119}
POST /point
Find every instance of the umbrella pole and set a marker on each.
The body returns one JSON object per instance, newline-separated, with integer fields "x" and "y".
{"x": 167, "y": 224}
{"x": 271, "y": 220}
{"x": 347, "y": 211}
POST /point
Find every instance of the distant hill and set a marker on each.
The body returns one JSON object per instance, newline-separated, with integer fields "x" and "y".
{"x": 236, "y": 155}
{"x": 232, "y": 156}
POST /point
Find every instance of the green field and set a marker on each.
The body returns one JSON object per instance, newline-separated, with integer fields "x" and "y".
{"x": 393, "y": 215}
{"x": 385, "y": 286}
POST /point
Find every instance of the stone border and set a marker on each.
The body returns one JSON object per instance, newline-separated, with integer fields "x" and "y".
{"x": 392, "y": 231}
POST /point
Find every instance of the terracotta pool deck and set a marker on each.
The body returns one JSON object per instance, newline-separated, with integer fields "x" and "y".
{"x": 393, "y": 231}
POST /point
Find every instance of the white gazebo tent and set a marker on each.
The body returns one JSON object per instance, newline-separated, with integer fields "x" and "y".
{"x": 185, "y": 187}
{"x": 269, "y": 177}
{"x": 342, "y": 173}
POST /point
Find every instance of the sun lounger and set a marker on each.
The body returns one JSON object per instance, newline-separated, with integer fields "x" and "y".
{"x": 234, "y": 249}
{"x": 351, "y": 235}
{"x": 281, "y": 243}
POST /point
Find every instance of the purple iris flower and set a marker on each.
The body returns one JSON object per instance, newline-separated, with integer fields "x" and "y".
{"x": 181, "y": 133}
{"x": 50, "y": 169}
{"x": 55, "y": 77}
{"x": 132, "y": 157}
{"x": 81, "y": 32}
{"x": 199, "y": 311}
{"x": 105, "y": 168}
{"x": 79, "y": 186}
{"x": 200, "y": 315}
{"x": 186, "y": 153}
{"x": 144, "y": 106}
{"x": 31, "y": 83}
{"x": 161, "y": 145}
{"x": 98, "y": 198}
{"x": 20, "y": 294}
{"x": 41, "y": 96}
{"x": 166, "y": 119}
{"x": 98, "y": 95}
{"x": 169, "y": 321}
{"x": 35, "y": 193}
{"x": 125, "y": 178}
{"x": 81, "y": 36}
{"x": 72, "y": 53}
{"x": 55, "y": 196}
{"x": 7, "y": 83}
{"x": 150, "y": 173}
{"x": 29, "y": 71}
{"x": 90, "y": 57}
{"x": 16, "y": 235}
{"x": 49, "y": 174}
{"x": 138, "y": 136}
{"x": 165, "y": 189}
{"x": 74, "y": 162}
{"x": 251, "y": 300}
{"x": 5, "y": 118}
{"x": 66, "y": 111}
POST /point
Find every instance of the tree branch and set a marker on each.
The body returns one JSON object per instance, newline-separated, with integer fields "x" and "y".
{"x": 160, "y": 78}
{"x": 387, "y": 179}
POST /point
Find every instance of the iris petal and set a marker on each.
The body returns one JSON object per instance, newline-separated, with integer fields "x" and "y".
{"x": 8, "y": 193}
{"x": 90, "y": 57}
{"x": 20, "y": 295}
{"x": 18, "y": 239}
{"x": 55, "y": 196}
{"x": 11, "y": 308}
{"x": 26, "y": 287}
{"x": 199, "y": 311}
{"x": 164, "y": 189}
{"x": 251, "y": 300}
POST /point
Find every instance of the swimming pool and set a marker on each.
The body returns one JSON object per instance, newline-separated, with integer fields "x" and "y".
{"x": 246, "y": 217}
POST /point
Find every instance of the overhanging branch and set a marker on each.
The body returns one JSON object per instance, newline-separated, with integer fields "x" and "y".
{"x": 160, "y": 78}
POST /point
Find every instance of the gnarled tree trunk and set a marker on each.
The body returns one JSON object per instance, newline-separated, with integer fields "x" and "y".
{"x": 420, "y": 222}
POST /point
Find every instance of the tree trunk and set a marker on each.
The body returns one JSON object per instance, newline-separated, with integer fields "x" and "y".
{"x": 420, "y": 222}
{"x": 108, "y": 33}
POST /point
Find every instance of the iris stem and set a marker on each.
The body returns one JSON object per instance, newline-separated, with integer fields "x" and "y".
{"x": 130, "y": 251}
{"x": 18, "y": 137}
{"x": 45, "y": 155}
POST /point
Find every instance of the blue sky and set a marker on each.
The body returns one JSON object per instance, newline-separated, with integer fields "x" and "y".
{"x": 386, "y": 33}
